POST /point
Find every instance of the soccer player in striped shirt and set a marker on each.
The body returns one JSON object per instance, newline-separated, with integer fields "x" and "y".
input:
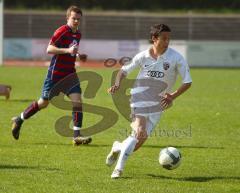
{"x": 64, "y": 47}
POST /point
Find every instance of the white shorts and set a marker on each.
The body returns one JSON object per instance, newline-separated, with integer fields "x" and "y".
{"x": 151, "y": 121}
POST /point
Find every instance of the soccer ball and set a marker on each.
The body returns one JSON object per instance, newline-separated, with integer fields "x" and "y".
{"x": 170, "y": 158}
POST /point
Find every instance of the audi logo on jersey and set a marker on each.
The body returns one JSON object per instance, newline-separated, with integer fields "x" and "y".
{"x": 156, "y": 74}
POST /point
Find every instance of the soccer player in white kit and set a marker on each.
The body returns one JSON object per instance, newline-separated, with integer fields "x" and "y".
{"x": 152, "y": 93}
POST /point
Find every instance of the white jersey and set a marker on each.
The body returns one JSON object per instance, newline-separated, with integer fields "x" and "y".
{"x": 165, "y": 69}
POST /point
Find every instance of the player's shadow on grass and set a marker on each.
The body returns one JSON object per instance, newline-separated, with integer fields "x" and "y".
{"x": 25, "y": 167}
{"x": 69, "y": 144}
{"x": 183, "y": 146}
{"x": 196, "y": 178}
{"x": 18, "y": 100}
{"x": 125, "y": 177}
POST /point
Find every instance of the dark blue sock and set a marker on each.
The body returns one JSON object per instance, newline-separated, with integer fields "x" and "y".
{"x": 77, "y": 117}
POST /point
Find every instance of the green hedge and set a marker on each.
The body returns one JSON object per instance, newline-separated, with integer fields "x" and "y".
{"x": 127, "y": 4}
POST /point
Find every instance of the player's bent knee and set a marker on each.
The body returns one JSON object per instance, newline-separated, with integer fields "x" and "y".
{"x": 140, "y": 133}
{"x": 140, "y": 142}
{"x": 42, "y": 103}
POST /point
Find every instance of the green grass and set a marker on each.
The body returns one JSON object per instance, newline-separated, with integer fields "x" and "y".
{"x": 44, "y": 162}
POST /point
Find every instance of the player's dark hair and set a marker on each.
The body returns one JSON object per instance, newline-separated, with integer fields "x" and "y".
{"x": 75, "y": 9}
{"x": 157, "y": 29}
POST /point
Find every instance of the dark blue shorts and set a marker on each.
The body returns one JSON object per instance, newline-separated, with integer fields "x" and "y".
{"x": 51, "y": 89}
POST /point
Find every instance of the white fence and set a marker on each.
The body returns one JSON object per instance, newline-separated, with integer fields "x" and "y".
{"x": 198, "y": 53}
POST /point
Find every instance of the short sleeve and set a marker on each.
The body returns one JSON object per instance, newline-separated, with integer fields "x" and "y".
{"x": 132, "y": 65}
{"x": 56, "y": 37}
{"x": 183, "y": 70}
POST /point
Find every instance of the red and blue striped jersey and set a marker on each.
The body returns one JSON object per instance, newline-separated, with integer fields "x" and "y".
{"x": 63, "y": 64}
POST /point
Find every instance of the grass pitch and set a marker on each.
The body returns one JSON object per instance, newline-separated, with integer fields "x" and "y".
{"x": 203, "y": 124}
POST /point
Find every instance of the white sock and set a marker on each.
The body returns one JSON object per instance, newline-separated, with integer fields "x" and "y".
{"x": 76, "y": 128}
{"x": 22, "y": 116}
{"x": 127, "y": 148}
{"x": 117, "y": 146}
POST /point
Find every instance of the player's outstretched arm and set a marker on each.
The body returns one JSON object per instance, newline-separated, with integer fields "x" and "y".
{"x": 181, "y": 90}
{"x": 120, "y": 75}
{"x": 52, "y": 49}
{"x": 168, "y": 98}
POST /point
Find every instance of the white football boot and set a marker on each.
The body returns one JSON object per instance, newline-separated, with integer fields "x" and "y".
{"x": 116, "y": 174}
{"x": 113, "y": 155}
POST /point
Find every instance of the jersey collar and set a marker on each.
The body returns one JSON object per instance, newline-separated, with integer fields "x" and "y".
{"x": 164, "y": 55}
{"x": 70, "y": 29}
